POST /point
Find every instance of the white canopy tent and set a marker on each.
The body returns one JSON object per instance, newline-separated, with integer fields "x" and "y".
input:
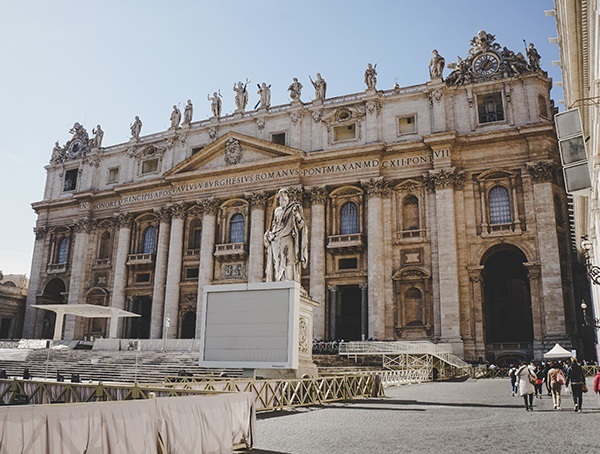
{"x": 87, "y": 311}
{"x": 557, "y": 352}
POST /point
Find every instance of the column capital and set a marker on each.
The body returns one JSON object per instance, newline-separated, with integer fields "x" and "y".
{"x": 163, "y": 213}
{"x": 257, "y": 200}
{"x": 40, "y": 232}
{"x": 363, "y": 286}
{"x": 178, "y": 210}
{"x": 373, "y": 187}
{"x": 541, "y": 171}
{"x": 86, "y": 225}
{"x": 332, "y": 288}
{"x": 317, "y": 195}
{"x": 124, "y": 220}
{"x": 451, "y": 178}
{"x": 209, "y": 205}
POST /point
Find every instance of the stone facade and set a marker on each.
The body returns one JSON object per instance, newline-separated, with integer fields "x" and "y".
{"x": 434, "y": 212}
{"x": 13, "y": 295}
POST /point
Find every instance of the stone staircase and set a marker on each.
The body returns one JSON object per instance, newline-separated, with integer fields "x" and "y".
{"x": 106, "y": 366}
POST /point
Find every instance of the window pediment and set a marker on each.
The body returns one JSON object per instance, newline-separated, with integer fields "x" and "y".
{"x": 496, "y": 174}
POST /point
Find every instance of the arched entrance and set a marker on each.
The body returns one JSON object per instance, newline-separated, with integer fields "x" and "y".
{"x": 139, "y": 327}
{"x": 53, "y": 294}
{"x": 508, "y": 322}
{"x": 94, "y": 328}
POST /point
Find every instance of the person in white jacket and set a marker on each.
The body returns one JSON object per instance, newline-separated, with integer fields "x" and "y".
{"x": 524, "y": 376}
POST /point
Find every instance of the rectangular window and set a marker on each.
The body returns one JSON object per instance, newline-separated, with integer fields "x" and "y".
{"x": 70, "y": 183}
{"x": 149, "y": 166}
{"x": 350, "y": 263}
{"x": 407, "y": 125}
{"x": 278, "y": 138}
{"x": 113, "y": 175}
{"x": 142, "y": 277}
{"x": 192, "y": 273}
{"x": 490, "y": 108}
{"x": 346, "y": 132}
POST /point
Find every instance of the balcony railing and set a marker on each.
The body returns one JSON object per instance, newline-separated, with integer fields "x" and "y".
{"x": 225, "y": 249}
{"x": 55, "y": 268}
{"x": 140, "y": 259}
{"x": 413, "y": 233}
{"x": 349, "y": 241}
{"x": 102, "y": 263}
{"x": 500, "y": 229}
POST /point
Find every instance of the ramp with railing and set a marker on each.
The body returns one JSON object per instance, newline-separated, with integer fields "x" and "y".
{"x": 418, "y": 358}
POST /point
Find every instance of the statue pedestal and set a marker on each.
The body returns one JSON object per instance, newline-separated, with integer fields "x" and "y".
{"x": 306, "y": 367}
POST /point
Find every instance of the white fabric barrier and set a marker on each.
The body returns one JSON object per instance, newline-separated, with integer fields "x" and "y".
{"x": 186, "y": 425}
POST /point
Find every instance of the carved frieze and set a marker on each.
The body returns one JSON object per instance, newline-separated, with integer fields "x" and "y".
{"x": 40, "y": 232}
{"x": 86, "y": 225}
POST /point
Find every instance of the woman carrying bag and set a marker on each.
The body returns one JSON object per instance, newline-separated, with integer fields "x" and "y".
{"x": 526, "y": 379}
{"x": 577, "y": 380}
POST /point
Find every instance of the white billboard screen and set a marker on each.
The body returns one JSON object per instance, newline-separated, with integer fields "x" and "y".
{"x": 250, "y": 326}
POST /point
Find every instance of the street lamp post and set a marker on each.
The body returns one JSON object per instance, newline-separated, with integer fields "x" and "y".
{"x": 593, "y": 272}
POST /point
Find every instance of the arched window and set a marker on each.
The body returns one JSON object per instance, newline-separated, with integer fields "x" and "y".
{"x": 149, "y": 240}
{"x": 499, "y": 205}
{"x": 349, "y": 218}
{"x": 105, "y": 246}
{"x": 63, "y": 246}
{"x": 236, "y": 228}
{"x": 410, "y": 213}
{"x": 413, "y": 299}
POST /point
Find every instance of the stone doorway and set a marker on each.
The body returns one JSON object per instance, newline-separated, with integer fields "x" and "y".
{"x": 139, "y": 327}
{"x": 508, "y": 321}
{"x": 349, "y": 313}
{"x": 53, "y": 294}
{"x": 188, "y": 325}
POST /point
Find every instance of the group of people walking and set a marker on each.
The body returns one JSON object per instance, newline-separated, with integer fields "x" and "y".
{"x": 528, "y": 379}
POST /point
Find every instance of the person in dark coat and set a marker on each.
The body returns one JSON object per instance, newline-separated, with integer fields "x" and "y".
{"x": 576, "y": 379}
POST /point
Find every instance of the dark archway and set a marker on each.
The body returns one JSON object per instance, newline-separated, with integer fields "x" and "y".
{"x": 507, "y": 297}
{"x": 349, "y": 315}
{"x": 139, "y": 327}
{"x": 53, "y": 294}
{"x": 188, "y": 325}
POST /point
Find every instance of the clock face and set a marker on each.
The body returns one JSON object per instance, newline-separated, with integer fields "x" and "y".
{"x": 486, "y": 64}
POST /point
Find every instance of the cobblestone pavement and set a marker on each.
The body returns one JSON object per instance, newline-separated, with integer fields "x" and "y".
{"x": 476, "y": 416}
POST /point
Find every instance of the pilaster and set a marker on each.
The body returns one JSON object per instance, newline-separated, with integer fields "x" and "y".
{"x": 160, "y": 273}
{"x": 37, "y": 263}
{"x": 318, "y": 196}
{"x": 124, "y": 222}
{"x": 174, "y": 269}
{"x": 256, "y": 253}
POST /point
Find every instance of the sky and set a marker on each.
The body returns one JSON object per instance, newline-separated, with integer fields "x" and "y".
{"x": 107, "y": 61}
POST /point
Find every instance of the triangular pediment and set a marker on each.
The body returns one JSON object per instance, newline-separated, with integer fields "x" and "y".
{"x": 235, "y": 150}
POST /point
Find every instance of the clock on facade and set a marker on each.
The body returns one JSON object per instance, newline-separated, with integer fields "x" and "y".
{"x": 486, "y": 64}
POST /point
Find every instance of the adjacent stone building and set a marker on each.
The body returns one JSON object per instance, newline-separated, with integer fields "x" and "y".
{"x": 435, "y": 212}
{"x": 13, "y": 295}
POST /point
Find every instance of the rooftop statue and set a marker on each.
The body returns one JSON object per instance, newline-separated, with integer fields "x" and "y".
{"x": 136, "y": 128}
{"x": 175, "y": 117}
{"x": 188, "y": 113}
{"x": 264, "y": 93}
{"x": 215, "y": 103}
{"x": 241, "y": 96}
{"x": 320, "y": 87}
{"x": 533, "y": 57}
{"x": 98, "y": 136}
{"x": 295, "y": 90}
{"x": 436, "y": 65}
{"x": 371, "y": 76}
{"x": 287, "y": 241}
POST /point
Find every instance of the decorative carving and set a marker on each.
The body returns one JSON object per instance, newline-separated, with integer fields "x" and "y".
{"x": 541, "y": 171}
{"x": 295, "y": 193}
{"x": 317, "y": 195}
{"x": 260, "y": 123}
{"x": 374, "y": 106}
{"x": 435, "y": 95}
{"x": 93, "y": 160}
{"x": 317, "y": 115}
{"x": 233, "y": 270}
{"x": 487, "y": 60}
{"x": 257, "y": 200}
{"x": 444, "y": 179}
{"x": 296, "y": 116}
{"x": 124, "y": 220}
{"x": 212, "y": 133}
{"x": 86, "y": 225}
{"x": 233, "y": 152}
{"x": 209, "y": 206}
{"x": 40, "y": 232}
{"x": 303, "y": 335}
{"x": 178, "y": 210}
{"x": 373, "y": 187}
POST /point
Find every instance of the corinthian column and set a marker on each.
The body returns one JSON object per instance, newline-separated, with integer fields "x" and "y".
{"x": 174, "y": 269}
{"x": 443, "y": 182}
{"x": 83, "y": 228}
{"x": 124, "y": 221}
{"x": 375, "y": 258}
{"x": 207, "y": 246}
{"x": 256, "y": 254}
{"x": 318, "y": 196}
{"x": 160, "y": 273}
{"x": 37, "y": 263}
